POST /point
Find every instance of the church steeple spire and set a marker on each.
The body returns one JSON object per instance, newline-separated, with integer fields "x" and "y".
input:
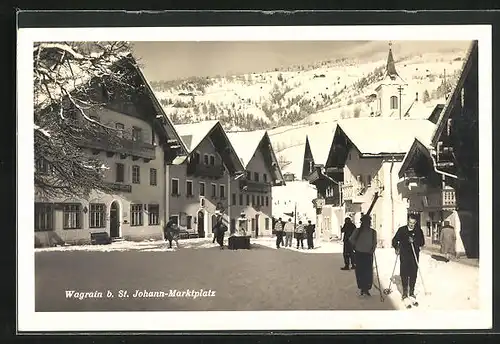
{"x": 391, "y": 65}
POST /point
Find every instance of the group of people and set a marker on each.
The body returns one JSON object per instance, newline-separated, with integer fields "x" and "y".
{"x": 288, "y": 230}
{"x": 360, "y": 245}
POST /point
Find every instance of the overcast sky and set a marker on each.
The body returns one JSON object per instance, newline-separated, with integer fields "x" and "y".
{"x": 173, "y": 60}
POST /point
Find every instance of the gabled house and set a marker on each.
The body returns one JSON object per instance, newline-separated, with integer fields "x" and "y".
{"x": 441, "y": 175}
{"x": 135, "y": 166}
{"x": 199, "y": 184}
{"x": 252, "y": 194}
{"x": 365, "y": 156}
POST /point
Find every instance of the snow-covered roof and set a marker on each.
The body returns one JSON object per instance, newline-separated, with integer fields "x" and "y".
{"x": 245, "y": 143}
{"x": 320, "y": 141}
{"x": 193, "y": 133}
{"x": 375, "y": 135}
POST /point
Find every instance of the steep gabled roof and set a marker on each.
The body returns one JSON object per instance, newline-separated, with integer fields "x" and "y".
{"x": 454, "y": 97}
{"x": 375, "y": 136}
{"x": 195, "y": 133}
{"x": 319, "y": 142}
{"x": 416, "y": 147}
{"x": 246, "y": 144}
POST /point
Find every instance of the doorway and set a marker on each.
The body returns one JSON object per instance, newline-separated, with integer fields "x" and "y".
{"x": 257, "y": 225}
{"x": 201, "y": 224}
{"x": 114, "y": 217}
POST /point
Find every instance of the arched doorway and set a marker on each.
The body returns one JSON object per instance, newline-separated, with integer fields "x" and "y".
{"x": 201, "y": 224}
{"x": 257, "y": 217}
{"x": 114, "y": 217}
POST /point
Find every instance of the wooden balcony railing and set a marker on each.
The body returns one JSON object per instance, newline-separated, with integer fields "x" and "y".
{"x": 253, "y": 186}
{"x": 120, "y": 145}
{"x": 202, "y": 170}
{"x": 119, "y": 187}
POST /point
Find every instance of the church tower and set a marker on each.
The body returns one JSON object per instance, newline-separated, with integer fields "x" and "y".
{"x": 390, "y": 90}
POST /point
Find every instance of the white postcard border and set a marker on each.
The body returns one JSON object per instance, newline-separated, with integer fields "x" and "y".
{"x": 29, "y": 320}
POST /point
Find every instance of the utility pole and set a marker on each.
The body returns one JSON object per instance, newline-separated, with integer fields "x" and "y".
{"x": 400, "y": 89}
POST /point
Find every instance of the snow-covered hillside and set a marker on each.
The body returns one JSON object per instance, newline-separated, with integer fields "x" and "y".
{"x": 290, "y": 96}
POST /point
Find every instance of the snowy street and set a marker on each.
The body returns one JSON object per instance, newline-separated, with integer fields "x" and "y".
{"x": 292, "y": 270}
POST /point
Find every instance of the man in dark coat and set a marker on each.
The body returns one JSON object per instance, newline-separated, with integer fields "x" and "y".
{"x": 171, "y": 232}
{"x": 278, "y": 228}
{"x": 309, "y": 234}
{"x": 364, "y": 242}
{"x": 407, "y": 242}
{"x": 347, "y": 230}
{"x": 219, "y": 230}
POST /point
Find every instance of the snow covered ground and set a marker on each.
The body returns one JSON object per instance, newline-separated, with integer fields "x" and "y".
{"x": 449, "y": 286}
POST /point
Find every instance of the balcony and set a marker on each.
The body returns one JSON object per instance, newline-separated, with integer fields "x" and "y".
{"x": 254, "y": 186}
{"x": 119, "y": 187}
{"x": 120, "y": 145}
{"x": 332, "y": 200}
{"x": 442, "y": 199}
{"x": 208, "y": 171}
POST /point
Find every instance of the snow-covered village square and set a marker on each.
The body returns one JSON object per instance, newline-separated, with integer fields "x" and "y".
{"x": 254, "y": 176}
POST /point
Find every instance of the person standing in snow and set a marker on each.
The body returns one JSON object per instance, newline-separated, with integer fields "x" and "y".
{"x": 299, "y": 234}
{"x": 172, "y": 233}
{"x": 364, "y": 242}
{"x": 289, "y": 229}
{"x": 347, "y": 230}
{"x": 309, "y": 234}
{"x": 407, "y": 242}
{"x": 219, "y": 230}
{"x": 448, "y": 239}
{"x": 278, "y": 228}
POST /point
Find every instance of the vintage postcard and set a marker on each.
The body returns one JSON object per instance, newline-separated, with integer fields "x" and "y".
{"x": 254, "y": 178}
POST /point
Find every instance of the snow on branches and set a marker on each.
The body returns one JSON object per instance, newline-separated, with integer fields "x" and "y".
{"x": 72, "y": 82}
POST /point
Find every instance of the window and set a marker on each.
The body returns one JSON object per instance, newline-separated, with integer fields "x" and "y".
{"x": 214, "y": 190}
{"x": 96, "y": 214}
{"x": 248, "y": 199}
{"x": 202, "y": 189}
{"x": 310, "y": 166}
{"x": 174, "y": 218}
{"x": 256, "y": 176}
{"x": 222, "y": 191}
{"x": 136, "y": 134}
{"x": 394, "y": 102}
{"x": 136, "y": 214}
{"x": 241, "y": 199}
{"x": 153, "y": 214}
{"x": 261, "y": 200}
{"x": 369, "y": 180}
{"x": 249, "y": 175}
{"x": 189, "y": 188}
{"x": 189, "y": 222}
{"x": 42, "y": 166}
{"x": 120, "y": 173}
{"x": 152, "y": 176}
{"x": 120, "y": 128}
{"x": 136, "y": 174}
{"x": 205, "y": 159}
{"x": 266, "y": 224}
{"x": 212, "y": 160}
{"x": 233, "y": 199}
{"x": 43, "y": 217}
{"x": 265, "y": 177}
{"x": 71, "y": 216}
{"x": 175, "y": 187}
{"x": 197, "y": 158}
{"x": 267, "y": 201}
{"x": 253, "y": 199}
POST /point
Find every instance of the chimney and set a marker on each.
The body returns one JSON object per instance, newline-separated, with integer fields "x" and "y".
{"x": 416, "y": 97}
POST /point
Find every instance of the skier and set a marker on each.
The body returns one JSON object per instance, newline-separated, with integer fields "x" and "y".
{"x": 408, "y": 239}
{"x": 299, "y": 234}
{"x": 278, "y": 228}
{"x": 347, "y": 229}
{"x": 288, "y": 229}
{"x": 364, "y": 242}
{"x": 448, "y": 239}
{"x": 309, "y": 233}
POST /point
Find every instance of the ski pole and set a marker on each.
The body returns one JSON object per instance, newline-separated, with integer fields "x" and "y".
{"x": 378, "y": 278}
{"x": 418, "y": 267}
{"x": 388, "y": 290}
